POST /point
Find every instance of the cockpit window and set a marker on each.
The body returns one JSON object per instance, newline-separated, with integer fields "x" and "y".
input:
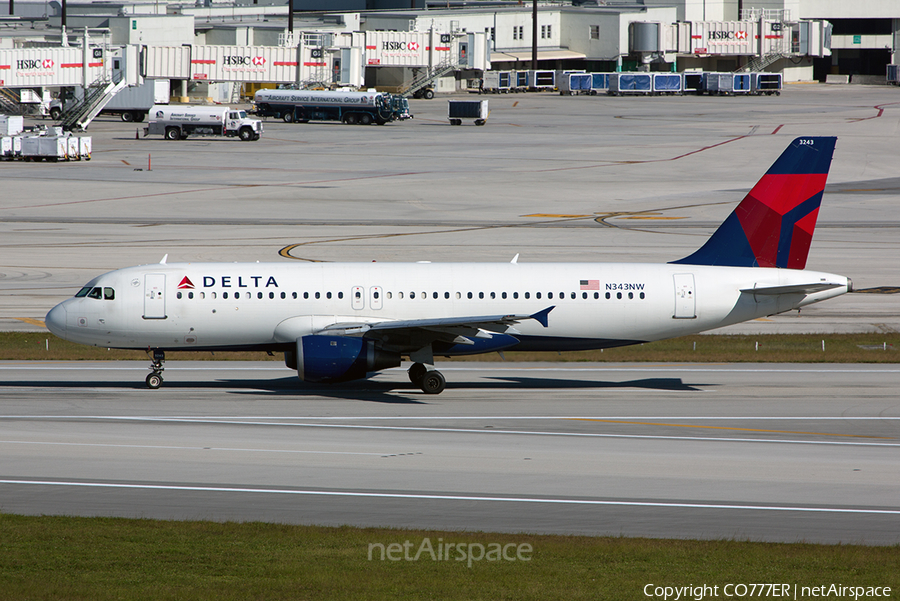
{"x": 83, "y": 292}
{"x": 109, "y": 294}
{"x": 95, "y": 293}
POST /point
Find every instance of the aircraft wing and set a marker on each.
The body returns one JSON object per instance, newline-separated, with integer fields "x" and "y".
{"x": 449, "y": 329}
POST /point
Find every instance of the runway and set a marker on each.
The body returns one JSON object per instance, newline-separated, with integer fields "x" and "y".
{"x": 774, "y": 452}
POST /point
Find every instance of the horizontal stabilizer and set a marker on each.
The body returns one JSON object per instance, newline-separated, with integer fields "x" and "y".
{"x": 793, "y": 289}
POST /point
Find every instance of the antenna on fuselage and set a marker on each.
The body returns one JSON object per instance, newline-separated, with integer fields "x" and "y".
{"x": 515, "y": 259}
{"x": 165, "y": 257}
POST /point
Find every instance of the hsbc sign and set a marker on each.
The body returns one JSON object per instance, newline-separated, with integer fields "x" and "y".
{"x": 244, "y": 61}
{"x": 392, "y": 45}
{"x": 727, "y": 35}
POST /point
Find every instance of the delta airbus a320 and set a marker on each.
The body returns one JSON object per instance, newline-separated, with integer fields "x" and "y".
{"x": 341, "y": 321}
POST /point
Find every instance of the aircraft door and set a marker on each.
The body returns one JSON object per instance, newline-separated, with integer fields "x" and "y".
{"x": 375, "y": 295}
{"x": 685, "y": 299}
{"x": 155, "y": 296}
{"x": 357, "y": 298}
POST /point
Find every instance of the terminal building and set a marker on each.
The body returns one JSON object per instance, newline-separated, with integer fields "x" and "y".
{"x": 222, "y": 51}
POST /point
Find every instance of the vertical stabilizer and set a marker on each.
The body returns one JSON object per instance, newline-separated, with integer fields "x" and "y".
{"x": 774, "y": 224}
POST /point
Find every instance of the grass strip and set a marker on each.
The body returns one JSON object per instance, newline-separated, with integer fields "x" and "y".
{"x": 704, "y": 348}
{"x": 112, "y": 558}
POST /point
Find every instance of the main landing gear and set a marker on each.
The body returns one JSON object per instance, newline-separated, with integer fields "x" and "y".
{"x": 157, "y": 358}
{"x": 431, "y": 381}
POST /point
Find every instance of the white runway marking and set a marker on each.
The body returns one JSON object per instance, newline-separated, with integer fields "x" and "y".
{"x": 301, "y": 424}
{"x": 177, "y": 448}
{"x": 435, "y": 497}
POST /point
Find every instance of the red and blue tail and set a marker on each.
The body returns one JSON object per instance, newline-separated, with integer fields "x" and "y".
{"x": 774, "y": 224}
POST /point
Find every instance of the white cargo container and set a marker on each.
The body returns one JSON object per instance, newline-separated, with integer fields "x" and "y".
{"x": 6, "y": 147}
{"x": 11, "y": 125}
{"x": 179, "y": 122}
{"x": 457, "y": 110}
{"x": 45, "y": 148}
{"x": 84, "y": 147}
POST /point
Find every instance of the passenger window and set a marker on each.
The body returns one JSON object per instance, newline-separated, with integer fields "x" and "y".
{"x": 388, "y": 294}
{"x": 178, "y": 295}
{"x": 631, "y": 295}
{"x": 493, "y": 295}
{"x": 642, "y": 296}
{"x": 619, "y": 295}
{"x": 412, "y": 296}
{"x": 607, "y": 295}
{"x": 469, "y": 295}
{"x": 341, "y": 295}
{"x": 515, "y": 295}
{"x": 318, "y": 295}
{"x": 537, "y": 295}
{"x": 562, "y": 295}
{"x": 190, "y": 295}
{"x": 446, "y": 295}
{"x": 527, "y": 295}
{"x": 202, "y": 296}
{"x": 94, "y": 293}
{"x": 584, "y": 295}
{"x": 434, "y": 295}
{"x": 213, "y": 295}
{"x": 503, "y": 295}
{"x": 225, "y": 295}
{"x": 358, "y": 294}
{"x": 237, "y": 295}
{"x": 400, "y": 295}
{"x": 109, "y": 294}
{"x": 375, "y": 294}
{"x": 481, "y": 295}
{"x": 573, "y": 295}
{"x": 596, "y": 295}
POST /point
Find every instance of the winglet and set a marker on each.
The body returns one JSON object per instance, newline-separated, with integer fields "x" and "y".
{"x": 774, "y": 224}
{"x": 541, "y": 316}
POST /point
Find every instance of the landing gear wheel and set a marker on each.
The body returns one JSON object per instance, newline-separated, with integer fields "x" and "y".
{"x": 416, "y": 373}
{"x": 154, "y": 381}
{"x": 433, "y": 382}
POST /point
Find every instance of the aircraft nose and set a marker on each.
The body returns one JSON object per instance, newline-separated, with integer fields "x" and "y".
{"x": 56, "y": 320}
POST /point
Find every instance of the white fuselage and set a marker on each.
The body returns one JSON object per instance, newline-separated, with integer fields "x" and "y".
{"x": 263, "y": 305}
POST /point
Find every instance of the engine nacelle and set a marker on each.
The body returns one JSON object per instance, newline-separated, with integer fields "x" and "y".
{"x": 340, "y": 358}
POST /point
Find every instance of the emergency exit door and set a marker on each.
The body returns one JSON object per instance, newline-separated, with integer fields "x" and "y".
{"x": 685, "y": 299}
{"x": 155, "y": 296}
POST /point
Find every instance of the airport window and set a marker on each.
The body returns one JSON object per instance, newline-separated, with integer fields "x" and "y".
{"x": 519, "y": 32}
{"x": 546, "y": 32}
{"x": 595, "y": 32}
{"x": 109, "y": 294}
{"x": 492, "y": 34}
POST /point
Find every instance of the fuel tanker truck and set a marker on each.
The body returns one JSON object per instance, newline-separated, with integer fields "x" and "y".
{"x": 302, "y": 106}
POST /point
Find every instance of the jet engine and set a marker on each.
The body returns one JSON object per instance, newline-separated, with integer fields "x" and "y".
{"x": 338, "y": 358}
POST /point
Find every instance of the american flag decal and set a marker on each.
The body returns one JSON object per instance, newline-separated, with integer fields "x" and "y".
{"x": 590, "y": 284}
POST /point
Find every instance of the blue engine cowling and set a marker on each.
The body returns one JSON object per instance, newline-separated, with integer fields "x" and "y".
{"x": 340, "y": 358}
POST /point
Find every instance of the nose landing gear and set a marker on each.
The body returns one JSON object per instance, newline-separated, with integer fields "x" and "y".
{"x": 157, "y": 358}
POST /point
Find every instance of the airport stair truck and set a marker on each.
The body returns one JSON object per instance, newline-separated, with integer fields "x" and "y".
{"x": 179, "y": 122}
{"x": 130, "y": 104}
{"x": 302, "y": 106}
